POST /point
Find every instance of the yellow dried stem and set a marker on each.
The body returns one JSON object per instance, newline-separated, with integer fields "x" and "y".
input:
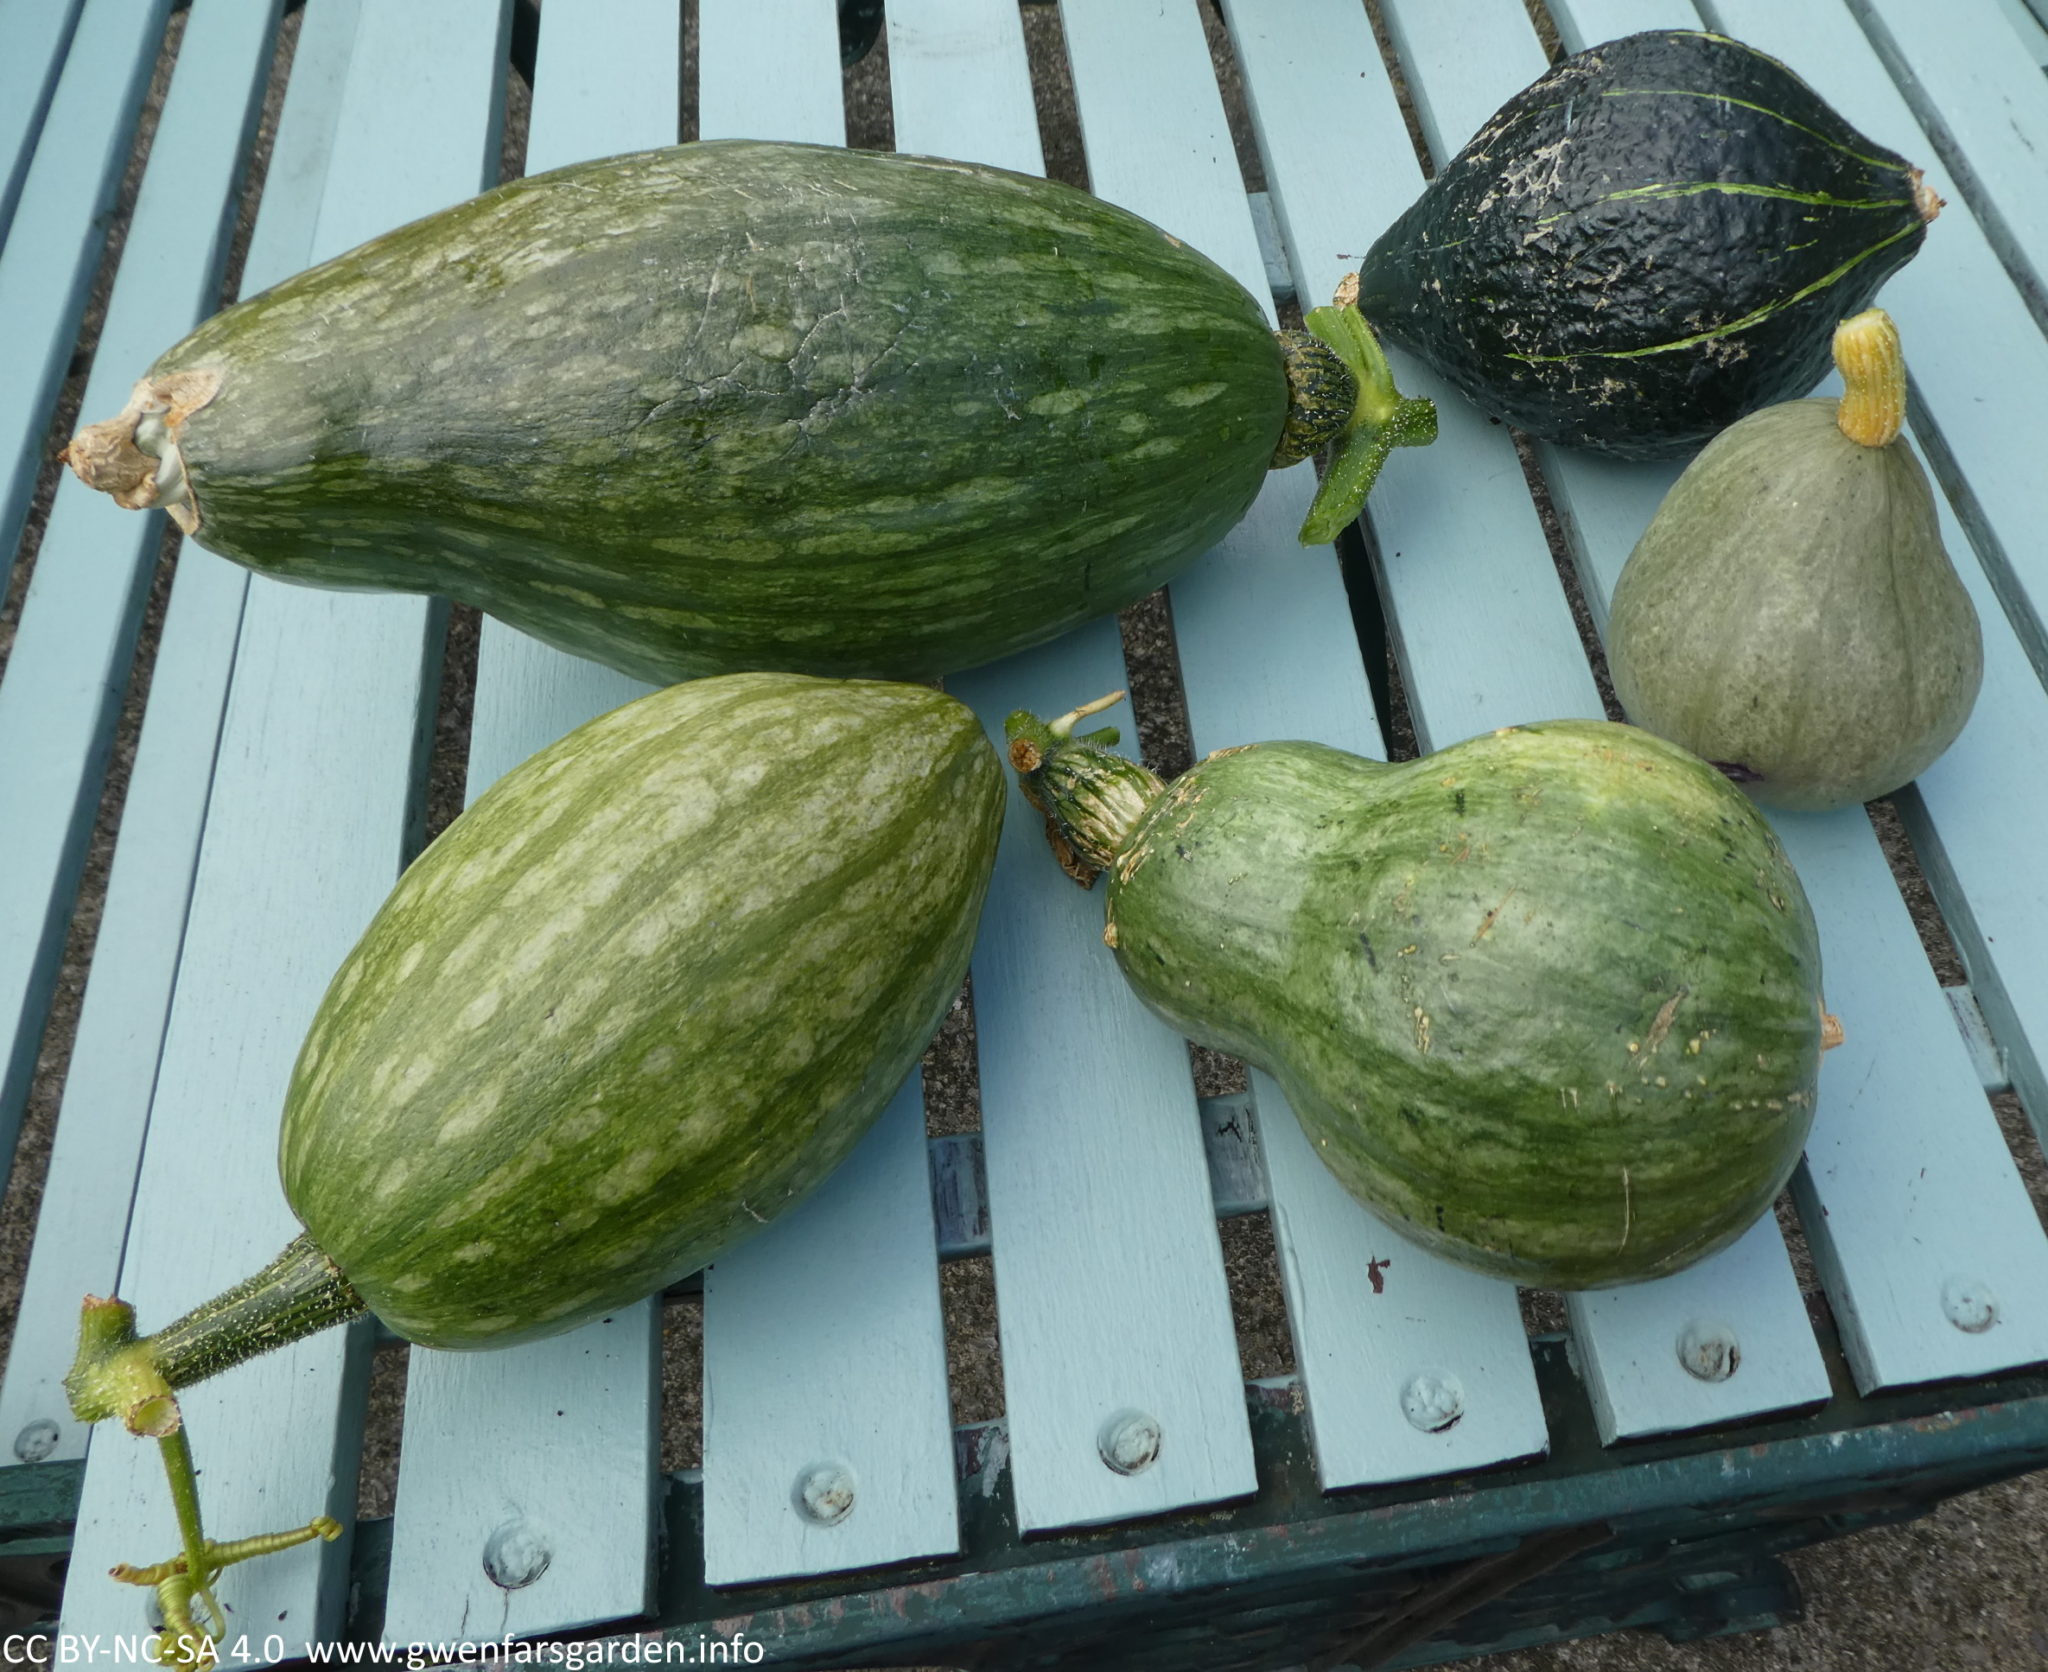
{"x": 1873, "y": 405}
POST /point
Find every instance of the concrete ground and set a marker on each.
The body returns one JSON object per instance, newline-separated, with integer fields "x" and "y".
{"x": 1964, "y": 1587}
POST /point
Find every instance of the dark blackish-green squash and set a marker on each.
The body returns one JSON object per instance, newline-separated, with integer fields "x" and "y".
{"x": 1547, "y": 1001}
{"x": 736, "y": 405}
{"x": 1651, "y": 240}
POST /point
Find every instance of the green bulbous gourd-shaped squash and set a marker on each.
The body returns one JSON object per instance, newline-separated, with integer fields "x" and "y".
{"x": 1790, "y": 614}
{"x": 1547, "y": 1001}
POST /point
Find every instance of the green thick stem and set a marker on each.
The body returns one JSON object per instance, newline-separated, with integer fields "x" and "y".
{"x": 1092, "y": 798}
{"x": 118, "y": 1373}
{"x": 1382, "y": 420}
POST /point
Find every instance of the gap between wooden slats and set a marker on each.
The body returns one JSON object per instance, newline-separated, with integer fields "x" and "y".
{"x": 59, "y": 704}
{"x": 45, "y": 270}
{"x": 824, "y": 1349}
{"x": 549, "y": 1448}
{"x": 310, "y": 816}
{"x": 1482, "y": 628}
{"x": 1909, "y": 1195}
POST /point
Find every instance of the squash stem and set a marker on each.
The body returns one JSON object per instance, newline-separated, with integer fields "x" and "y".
{"x": 1382, "y": 420}
{"x": 1872, "y": 410}
{"x": 1092, "y": 797}
{"x": 118, "y": 1373}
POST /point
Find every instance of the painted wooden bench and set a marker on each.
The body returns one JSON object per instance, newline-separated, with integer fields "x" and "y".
{"x": 1432, "y": 1479}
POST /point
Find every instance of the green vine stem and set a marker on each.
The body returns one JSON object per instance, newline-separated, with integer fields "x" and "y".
{"x": 177, "y": 1458}
{"x": 188, "y": 1639}
{"x": 1382, "y": 420}
{"x": 120, "y": 1373}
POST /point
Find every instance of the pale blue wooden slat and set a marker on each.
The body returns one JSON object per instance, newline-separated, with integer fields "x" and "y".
{"x": 1109, "y": 1278}
{"x": 2030, "y": 27}
{"x": 826, "y": 1329}
{"x": 1412, "y": 1366}
{"x": 68, "y": 669}
{"x": 960, "y": 82}
{"x": 33, "y": 42}
{"x": 68, "y": 665}
{"x": 311, "y": 809}
{"x": 1972, "y": 820}
{"x": 1267, "y": 650}
{"x": 1584, "y": 23}
{"x": 82, "y": 1222}
{"x": 257, "y": 955}
{"x": 59, "y": 228}
{"x": 824, "y": 1349}
{"x": 1263, "y": 623}
{"x": 777, "y": 71}
{"x": 1985, "y": 104}
{"x": 1906, "y": 1140}
{"x": 1658, "y": 1358}
{"x": 555, "y": 1442}
{"x": 1480, "y": 622}
{"x": 1909, "y": 1195}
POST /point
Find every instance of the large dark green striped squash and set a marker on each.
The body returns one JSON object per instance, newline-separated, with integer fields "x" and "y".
{"x": 733, "y": 405}
{"x": 633, "y": 1005}
{"x": 1654, "y": 238}
{"x": 640, "y": 999}
{"x": 1547, "y": 1001}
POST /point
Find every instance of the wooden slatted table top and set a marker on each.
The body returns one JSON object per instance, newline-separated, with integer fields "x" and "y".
{"x": 275, "y": 788}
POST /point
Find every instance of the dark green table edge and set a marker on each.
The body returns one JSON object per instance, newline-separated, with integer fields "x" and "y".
{"x": 1680, "y": 1535}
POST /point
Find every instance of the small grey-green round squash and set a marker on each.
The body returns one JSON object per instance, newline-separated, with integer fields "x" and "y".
{"x": 1791, "y": 614}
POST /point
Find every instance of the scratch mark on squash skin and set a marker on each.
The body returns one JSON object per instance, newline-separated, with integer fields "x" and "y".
{"x": 1662, "y": 1025}
{"x": 1487, "y": 922}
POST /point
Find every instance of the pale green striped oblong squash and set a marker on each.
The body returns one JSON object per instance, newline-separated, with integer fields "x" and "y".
{"x": 639, "y": 999}
{"x": 732, "y": 405}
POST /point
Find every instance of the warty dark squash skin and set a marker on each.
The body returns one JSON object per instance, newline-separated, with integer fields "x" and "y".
{"x": 1654, "y": 238}
{"x": 737, "y": 405}
{"x": 1547, "y": 1001}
